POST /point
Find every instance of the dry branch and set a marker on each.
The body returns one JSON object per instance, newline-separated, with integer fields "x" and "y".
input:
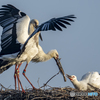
{"x": 48, "y": 80}
{"x": 54, "y": 93}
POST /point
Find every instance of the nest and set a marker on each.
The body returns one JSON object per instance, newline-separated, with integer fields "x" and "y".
{"x": 52, "y": 93}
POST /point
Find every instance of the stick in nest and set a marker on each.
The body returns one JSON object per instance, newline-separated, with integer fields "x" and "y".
{"x": 49, "y": 80}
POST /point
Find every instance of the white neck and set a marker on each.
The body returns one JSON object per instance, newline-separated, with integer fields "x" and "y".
{"x": 47, "y": 56}
{"x": 41, "y": 56}
{"x": 76, "y": 83}
{"x": 31, "y": 29}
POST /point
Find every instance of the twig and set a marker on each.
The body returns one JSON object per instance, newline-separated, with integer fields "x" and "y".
{"x": 38, "y": 82}
{"x": 60, "y": 68}
{"x": 49, "y": 86}
{"x": 8, "y": 97}
{"x": 52, "y": 77}
{"x": 9, "y": 86}
{"x": 3, "y": 86}
{"x": 39, "y": 98}
{"x": 49, "y": 80}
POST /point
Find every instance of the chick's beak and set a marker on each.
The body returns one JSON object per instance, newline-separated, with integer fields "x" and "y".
{"x": 60, "y": 67}
{"x": 69, "y": 76}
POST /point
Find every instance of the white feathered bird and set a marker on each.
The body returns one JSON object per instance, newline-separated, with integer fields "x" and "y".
{"x": 89, "y": 81}
{"x": 17, "y": 31}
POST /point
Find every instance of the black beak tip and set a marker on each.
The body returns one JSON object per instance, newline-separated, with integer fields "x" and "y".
{"x": 68, "y": 75}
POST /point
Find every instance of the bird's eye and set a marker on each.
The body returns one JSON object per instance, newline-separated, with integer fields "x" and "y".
{"x": 73, "y": 76}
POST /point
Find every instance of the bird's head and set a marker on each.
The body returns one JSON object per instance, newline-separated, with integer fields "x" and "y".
{"x": 71, "y": 77}
{"x": 54, "y": 54}
{"x": 35, "y": 23}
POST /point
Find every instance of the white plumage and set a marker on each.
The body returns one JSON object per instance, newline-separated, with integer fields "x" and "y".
{"x": 19, "y": 40}
{"x": 22, "y": 29}
{"x": 89, "y": 81}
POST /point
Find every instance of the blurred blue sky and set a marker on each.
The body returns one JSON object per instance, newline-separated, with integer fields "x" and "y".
{"x": 78, "y": 45}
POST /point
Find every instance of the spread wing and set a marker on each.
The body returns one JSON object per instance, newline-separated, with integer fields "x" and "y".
{"x": 53, "y": 24}
{"x": 56, "y": 23}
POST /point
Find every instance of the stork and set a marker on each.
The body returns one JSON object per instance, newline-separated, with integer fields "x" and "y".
{"x": 20, "y": 44}
{"x": 89, "y": 81}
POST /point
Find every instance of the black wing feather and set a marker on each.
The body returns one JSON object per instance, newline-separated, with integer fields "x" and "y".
{"x": 8, "y": 18}
{"x": 57, "y": 23}
{"x": 62, "y": 25}
{"x": 10, "y": 46}
{"x": 57, "y": 26}
{"x": 51, "y": 26}
{"x": 64, "y": 21}
{"x": 4, "y": 65}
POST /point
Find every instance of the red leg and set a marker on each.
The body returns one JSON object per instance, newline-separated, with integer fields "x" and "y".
{"x": 19, "y": 82}
{"x": 26, "y": 77}
{"x": 18, "y": 75}
{"x": 15, "y": 76}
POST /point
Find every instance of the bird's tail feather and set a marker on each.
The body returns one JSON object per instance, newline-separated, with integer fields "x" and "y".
{"x": 4, "y": 65}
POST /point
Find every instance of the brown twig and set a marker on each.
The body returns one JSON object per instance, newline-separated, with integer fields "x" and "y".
{"x": 60, "y": 68}
{"x": 38, "y": 82}
{"x": 49, "y": 80}
{"x": 2, "y": 87}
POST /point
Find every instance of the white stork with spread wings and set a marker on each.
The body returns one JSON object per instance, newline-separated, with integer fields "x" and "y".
{"x": 17, "y": 31}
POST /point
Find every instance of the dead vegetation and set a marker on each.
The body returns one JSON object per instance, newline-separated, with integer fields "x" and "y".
{"x": 52, "y": 93}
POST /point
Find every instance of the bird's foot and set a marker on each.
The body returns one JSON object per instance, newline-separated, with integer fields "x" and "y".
{"x": 23, "y": 91}
{"x": 34, "y": 88}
